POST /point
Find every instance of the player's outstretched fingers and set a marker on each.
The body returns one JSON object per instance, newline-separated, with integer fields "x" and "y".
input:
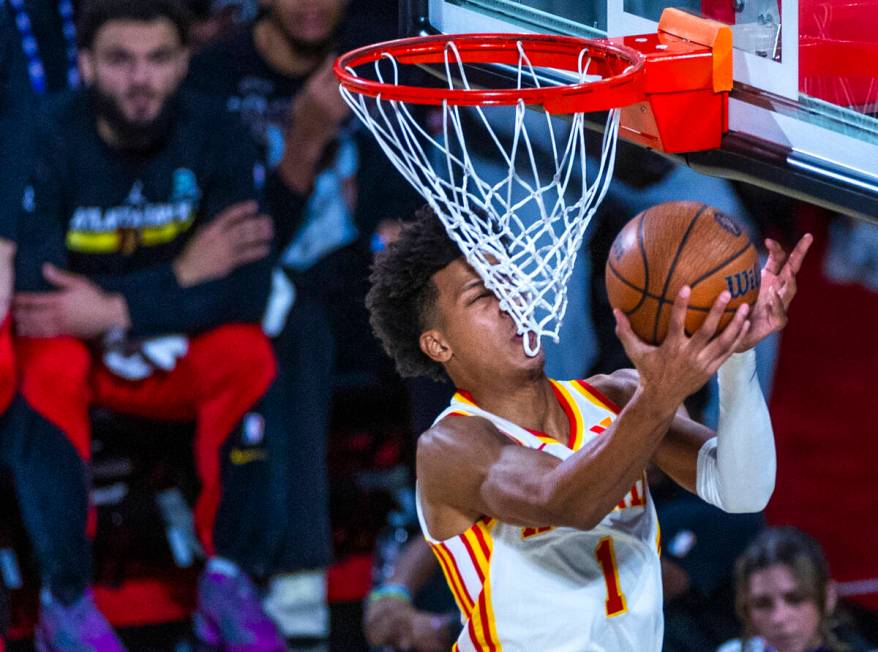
{"x": 777, "y": 308}
{"x": 725, "y": 343}
{"x": 708, "y": 329}
{"x": 776, "y": 257}
{"x": 632, "y": 344}
{"x": 797, "y": 256}
{"x": 677, "y": 321}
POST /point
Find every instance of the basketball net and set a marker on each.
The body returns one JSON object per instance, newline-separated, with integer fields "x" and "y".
{"x": 522, "y": 233}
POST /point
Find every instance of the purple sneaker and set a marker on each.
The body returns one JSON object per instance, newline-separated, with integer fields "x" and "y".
{"x": 229, "y": 614}
{"x": 79, "y": 627}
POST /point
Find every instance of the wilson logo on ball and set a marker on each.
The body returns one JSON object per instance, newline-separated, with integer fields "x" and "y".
{"x": 741, "y": 283}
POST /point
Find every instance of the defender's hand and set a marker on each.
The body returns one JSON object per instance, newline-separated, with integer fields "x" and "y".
{"x": 776, "y": 292}
{"x": 682, "y": 364}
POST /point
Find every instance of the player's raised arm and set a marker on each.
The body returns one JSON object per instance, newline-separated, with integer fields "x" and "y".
{"x": 734, "y": 467}
{"x": 467, "y": 468}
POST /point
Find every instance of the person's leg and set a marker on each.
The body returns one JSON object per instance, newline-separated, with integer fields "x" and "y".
{"x": 219, "y": 383}
{"x": 235, "y": 514}
{"x": 48, "y": 449}
{"x": 49, "y": 454}
{"x": 296, "y": 407}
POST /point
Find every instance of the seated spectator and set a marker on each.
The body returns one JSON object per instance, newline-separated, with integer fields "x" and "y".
{"x": 141, "y": 275}
{"x": 785, "y": 597}
{"x": 333, "y": 195}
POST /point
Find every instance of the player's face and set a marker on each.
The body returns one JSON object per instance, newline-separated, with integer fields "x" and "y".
{"x": 307, "y": 23}
{"x": 480, "y": 339}
{"x": 781, "y": 612}
{"x": 136, "y": 66}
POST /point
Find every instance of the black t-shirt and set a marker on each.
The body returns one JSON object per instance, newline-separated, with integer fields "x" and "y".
{"x": 234, "y": 70}
{"x": 337, "y": 267}
{"x": 121, "y": 218}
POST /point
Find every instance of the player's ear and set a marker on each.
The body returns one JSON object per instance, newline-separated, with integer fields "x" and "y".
{"x": 435, "y": 346}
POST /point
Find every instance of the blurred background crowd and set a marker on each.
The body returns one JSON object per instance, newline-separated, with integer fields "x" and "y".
{"x": 202, "y": 443}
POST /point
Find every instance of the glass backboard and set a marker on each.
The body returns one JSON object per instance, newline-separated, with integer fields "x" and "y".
{"x": 803, "y": 115}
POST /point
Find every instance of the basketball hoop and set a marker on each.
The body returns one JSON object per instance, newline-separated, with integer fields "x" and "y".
{"x": 521, "y": 232}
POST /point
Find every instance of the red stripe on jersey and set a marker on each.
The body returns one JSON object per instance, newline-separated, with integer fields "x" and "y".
{"x": 464, "y": 606}
{"x": 600, "y": 396}
{"x": 473, "y": 558}
{"x": 471, "y": 630}
{"x": 459, "y": 575}
{"x": 482, "y": 543}
{"x": 571, "y": 420}
{"x": 486, "y": 624}
{"x": 571, "y": 415}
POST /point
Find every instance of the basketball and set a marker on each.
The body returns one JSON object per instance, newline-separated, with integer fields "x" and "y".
{"x": 675, "y": 244}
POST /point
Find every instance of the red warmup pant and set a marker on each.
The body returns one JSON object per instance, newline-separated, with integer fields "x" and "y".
{"x": 224, "y": 373}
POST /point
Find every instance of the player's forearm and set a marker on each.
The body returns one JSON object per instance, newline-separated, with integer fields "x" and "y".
{"x": 415, "y": 566}
{"x": 590, "y": 483}
{"x": 736, "y": 469}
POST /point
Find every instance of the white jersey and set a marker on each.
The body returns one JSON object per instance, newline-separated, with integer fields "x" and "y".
{"x": 558, "y": 589}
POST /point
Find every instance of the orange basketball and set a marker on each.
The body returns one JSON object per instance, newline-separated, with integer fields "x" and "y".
{"x": 675, "y": 244}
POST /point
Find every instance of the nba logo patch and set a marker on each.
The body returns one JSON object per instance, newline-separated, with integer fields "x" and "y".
{"x": 254, "y": 429}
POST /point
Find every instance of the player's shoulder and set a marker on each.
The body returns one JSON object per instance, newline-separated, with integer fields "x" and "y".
{"x": 618, "y": 386}
{"x": 456, "y": 437}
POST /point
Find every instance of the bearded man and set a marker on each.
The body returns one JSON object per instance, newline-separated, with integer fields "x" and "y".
{"x": 142, "y": 273}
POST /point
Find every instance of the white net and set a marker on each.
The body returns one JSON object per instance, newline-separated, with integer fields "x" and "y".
{"x": 522, "y": 229}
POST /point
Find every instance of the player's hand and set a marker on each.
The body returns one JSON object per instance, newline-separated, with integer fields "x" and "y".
{"x": 431, "y": 632}
{"x": 392, "y": 623}
{"x": 78, "y": 308}
{"x": 237, "y": 236}
{"x": 776, "y": 292}
{"x": 681, "y": 364}
{"x": 387, "y": 622}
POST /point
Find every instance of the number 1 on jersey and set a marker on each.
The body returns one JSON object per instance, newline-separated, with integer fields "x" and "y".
{"x": 606, "y": 556}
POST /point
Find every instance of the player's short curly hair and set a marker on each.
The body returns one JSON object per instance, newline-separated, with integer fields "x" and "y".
{"x": 402, "y": 293}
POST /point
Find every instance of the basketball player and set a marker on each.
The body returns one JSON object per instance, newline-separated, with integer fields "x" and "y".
{"x": 532, "y": 491}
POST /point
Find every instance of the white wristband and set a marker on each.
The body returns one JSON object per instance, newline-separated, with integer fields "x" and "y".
{"x": 736, "y": 469}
